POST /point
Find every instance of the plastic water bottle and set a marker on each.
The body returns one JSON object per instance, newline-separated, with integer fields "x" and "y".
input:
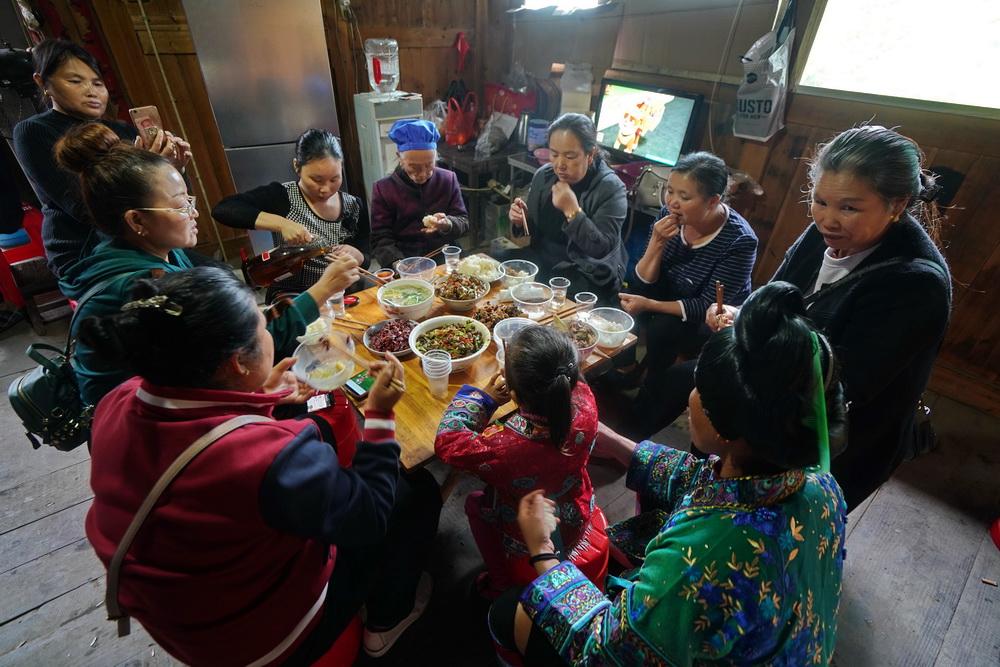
{"x": 382, "y": 56}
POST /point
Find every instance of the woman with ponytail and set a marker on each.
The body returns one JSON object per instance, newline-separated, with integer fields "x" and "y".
{"x": 263, "y": 549}
{"x": 141, "y": 203}
{"x": 544, "y": 443}
{"x": 741, "y": 554}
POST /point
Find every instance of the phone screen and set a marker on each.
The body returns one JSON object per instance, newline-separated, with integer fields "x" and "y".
{"x": 360, "y": 384}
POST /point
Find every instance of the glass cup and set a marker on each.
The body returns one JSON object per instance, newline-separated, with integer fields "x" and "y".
{"x": 437, "y": 368}
{"x": 587, "y": 300}
{"x": 335, "y": 307}
{"x": 452, "y": 253}
{"x": 559, "y": 286}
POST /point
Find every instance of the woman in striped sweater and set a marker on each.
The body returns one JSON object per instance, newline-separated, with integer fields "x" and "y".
{"x": 699, "y": 241}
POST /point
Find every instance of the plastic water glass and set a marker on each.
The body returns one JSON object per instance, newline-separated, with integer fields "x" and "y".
{"x": 559, "y": 286}
{"x": 335, "y": 307}
{"x": 437, "y": 368}
{"x": 452, "y": 253}
{"x": 587, "y": 300}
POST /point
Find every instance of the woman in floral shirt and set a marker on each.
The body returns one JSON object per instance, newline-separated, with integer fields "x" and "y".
{"x": 743, "y": 552}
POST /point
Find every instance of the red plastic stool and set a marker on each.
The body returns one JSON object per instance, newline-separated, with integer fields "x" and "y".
{"x": 590, "y": 555}
{"x": 33, "y": 249}
{"x": 345, "y": 650}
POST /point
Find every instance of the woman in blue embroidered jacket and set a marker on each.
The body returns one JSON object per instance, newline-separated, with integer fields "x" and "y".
{"x": 745, "y": 559}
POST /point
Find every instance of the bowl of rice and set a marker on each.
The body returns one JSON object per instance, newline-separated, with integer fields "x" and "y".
{"x": 324, "y": 367}
{"x": 480, "y": 266}
{"x": 612, "y": 326}
{"x": 464, "y": 338}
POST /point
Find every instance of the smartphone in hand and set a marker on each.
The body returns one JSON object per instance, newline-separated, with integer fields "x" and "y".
{"x": 147, "y": 121}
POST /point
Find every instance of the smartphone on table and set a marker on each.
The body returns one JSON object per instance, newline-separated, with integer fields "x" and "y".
{"x": 147, "y": 121}
{"x": 359, "y": 385}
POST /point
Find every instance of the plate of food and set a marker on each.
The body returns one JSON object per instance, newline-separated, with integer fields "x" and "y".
{"x": 390, "y": 336}
{"x": 406, "y": 298}
{"x": 490, "y": 313}
{"x": 461, "y": 292}
{"x": 481, "y": 266}
{"x": 464, "y": 338}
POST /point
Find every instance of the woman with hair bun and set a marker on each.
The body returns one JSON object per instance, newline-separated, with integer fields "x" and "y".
{"x": 741, "y": 554}
{"x": 313, "y": 208}
{"x": 264, "y": 548}
{"x": 877, "y": 285}
{"x": 140, "y": 201}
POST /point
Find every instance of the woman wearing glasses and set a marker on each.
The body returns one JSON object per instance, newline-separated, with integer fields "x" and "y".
{"x": 140, "y": 201}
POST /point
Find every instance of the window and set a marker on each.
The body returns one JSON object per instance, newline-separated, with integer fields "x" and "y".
{"x": 915, "y": 49}
{"x": 561, "y": 5}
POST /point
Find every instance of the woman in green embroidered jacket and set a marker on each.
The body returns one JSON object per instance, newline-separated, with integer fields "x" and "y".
{"x": 741, "y": 554}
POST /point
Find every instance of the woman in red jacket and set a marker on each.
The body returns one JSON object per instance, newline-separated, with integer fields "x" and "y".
{"x": 263, "y": 549}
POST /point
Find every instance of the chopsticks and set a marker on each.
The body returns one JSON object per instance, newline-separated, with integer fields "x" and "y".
{"x": 437, "y": 252}
{"x": 561, "y": 314}
{"x": 333, "y": 341}
{"x": 371, "y": 276}
{"x": 720, "y": 290}
{"x": 351, "y": 324}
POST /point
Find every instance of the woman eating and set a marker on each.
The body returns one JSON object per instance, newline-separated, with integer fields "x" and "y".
{"x": 70, "y": 80}
{"x": 263, "y": 549}
{"x": 419, "y": 206}
{"x": 698, "y": 243}
{"x": 877, "y": 285}
{"x": 310, "y": 209}
{"x": 140, "y": 201}
{"x": 574, "y": 213}
{"x": 741, "y": 555}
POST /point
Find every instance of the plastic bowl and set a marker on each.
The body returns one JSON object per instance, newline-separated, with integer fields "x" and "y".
{"x": 414, "y": 312}
{"x": 405, "y": 353}
{"x": 610, "y": 336}
{"x": 314, "y": 332}
{"x": 464, "y": 305}
{"x": 309, "y": 359}
{"x": 528, "y": 271}
{"x": 531, "y": 298}
{"x": 461, "y": 363}
{"x": 504, "y": 330}
{"x": 421, "y": 268}
{"x": 584, "y": 352}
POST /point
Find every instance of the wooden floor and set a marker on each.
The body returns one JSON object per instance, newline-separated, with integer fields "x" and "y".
{"x": 918, "y": 553}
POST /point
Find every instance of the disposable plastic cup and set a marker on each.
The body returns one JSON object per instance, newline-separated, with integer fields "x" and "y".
{"x": 586, "y": 301}
{"x": 559, "y": 286}
{"x": 437, "y": 368}
{"x": 335, "y": 307}
{"x": 452, "y": 254}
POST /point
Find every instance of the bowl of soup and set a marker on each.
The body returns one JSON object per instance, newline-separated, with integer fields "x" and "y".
{"x": 406, "y": 298}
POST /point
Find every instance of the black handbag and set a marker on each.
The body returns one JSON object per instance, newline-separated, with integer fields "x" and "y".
{"x": 47, "y": 398}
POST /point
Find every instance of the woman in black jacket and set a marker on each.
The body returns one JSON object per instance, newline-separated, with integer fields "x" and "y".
{"x": 877, "y": 285}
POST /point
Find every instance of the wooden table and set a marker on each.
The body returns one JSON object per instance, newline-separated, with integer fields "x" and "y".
{"x": 418, "y": 413}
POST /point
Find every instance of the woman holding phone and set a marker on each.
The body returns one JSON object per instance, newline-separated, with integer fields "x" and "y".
{"x": 70, "y": 80}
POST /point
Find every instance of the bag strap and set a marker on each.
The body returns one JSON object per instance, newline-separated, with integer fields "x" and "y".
{"x": 92, "y": 292}
{"x": 115, "y": 612}
{"x": 857, "y": 274}
{"x": 34, "y": 352}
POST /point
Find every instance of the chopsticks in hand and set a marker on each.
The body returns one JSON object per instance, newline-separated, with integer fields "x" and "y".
{"x": 719, "y": 292}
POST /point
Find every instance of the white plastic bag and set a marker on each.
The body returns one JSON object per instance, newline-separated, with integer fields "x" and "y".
{"x": 760, "y": 99}
{"x": 575, "y": 85}
{"x": 495, "y": 134}
{"x": 436, "y": 112}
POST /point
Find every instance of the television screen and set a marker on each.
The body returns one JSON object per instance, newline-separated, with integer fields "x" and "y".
{"x": 645, "y": 122}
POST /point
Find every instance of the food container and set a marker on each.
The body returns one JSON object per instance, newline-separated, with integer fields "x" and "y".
{"x": 482, "y": 267}
{"x": 321, "y": 368}
{"x": 594, "y": 334}
{"x": 463, "y": 305}
{"x": 459, "y": 363}
{"x": 314, "y": 332}
{"x": 612, "y": 326}
{"x": 504, "y": 330}
{"x": 532, "y": 298}
{"x": 421, "y": 268}
{"x": 517, "y": 271}
{"x": 370, "y": 332}
{"x": 395, "y": 308}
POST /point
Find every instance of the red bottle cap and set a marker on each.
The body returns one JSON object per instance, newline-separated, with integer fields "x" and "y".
{"x": 351, "y": 300}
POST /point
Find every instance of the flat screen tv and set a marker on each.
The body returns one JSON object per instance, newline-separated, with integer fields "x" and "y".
{"x": 646, "y": 122}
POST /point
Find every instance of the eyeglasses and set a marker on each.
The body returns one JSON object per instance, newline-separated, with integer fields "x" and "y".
{"x": 188, "y": 210}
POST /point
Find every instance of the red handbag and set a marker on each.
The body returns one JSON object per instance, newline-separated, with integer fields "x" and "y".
{"x": 460, "y": 123}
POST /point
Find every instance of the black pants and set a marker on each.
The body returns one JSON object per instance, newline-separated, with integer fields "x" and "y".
{"x": 501, "y": 619}
{"x": 383, "y": 577}
{"x": 607, "y": 295}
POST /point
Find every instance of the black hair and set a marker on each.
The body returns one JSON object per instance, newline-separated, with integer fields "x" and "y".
{"x": 542, "y": 369}
{"x": 757, "y": 382}
{"x": 892, "y": 164}
{"x": 316, "y": 144}
{"x": 51, "y": 54}
{"x": 582, "y": 128}
{"x": 708, "y": 170}
{"x": 218, "y": 317}
{"x": 115, "y": 176}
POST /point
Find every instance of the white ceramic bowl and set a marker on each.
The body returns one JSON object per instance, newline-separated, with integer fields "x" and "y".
{"x": 610, "y": 336}
{"x": 405, "y": 353}
{"x": 460, "y": 363}
{"x": 529, "y": 270}
{"x": 463, "y": 305}
{"x": 311, "y": 357}
{"x": 414, "y": 312}
{"x": 421, "y": 268}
